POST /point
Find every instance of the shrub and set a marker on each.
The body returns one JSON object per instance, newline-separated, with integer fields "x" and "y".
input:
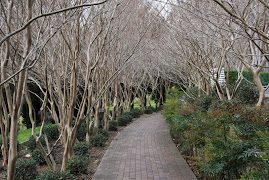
{"x": 135, "y": 113}
{"x": 52, "y": 132}
{"x": 98, "y": 140}
{"x": 26, "y": 169}
{"x": 247, "y": 93}
{"x": 103, "y": 132}
{"x": 148, "y": 111}
{"x": 38, "y": 157}
{"x": 31, "y": 145}
{"x": 113, "y": 125}
{"x": 205, "y": 102}
{"x": 124, "y": 120}
{"x": 77, "y": 165}
{"x": 81, "y": 136}
{"x": 55, "y": 175}
{"x": 82, "y": 148}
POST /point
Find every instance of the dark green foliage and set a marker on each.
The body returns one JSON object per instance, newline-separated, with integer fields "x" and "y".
{"x": 52, "y": 132}
{"x": 149, "y": 110}
{"x": 124, "y": 120}
{"x": 31, "y": 145}
{"x": 247, "y": 93}
{"x": 77, "y": 165}
{"x": 81, "y": 136}
{"x": 103, "y": 132}
{"x": 234, "y": 74}
{"x": 55, "y": 175}
{"x": 136, "y": 113}
{"x": 205, "y": 102}
{"x": 26, "y": 169}
{"x": 98, "y": 140}
{"x": 82, "y": 149}
{"x": 113, "y": 125}
{"x": 38, "y": 157}
{"x": 226, "y": 139}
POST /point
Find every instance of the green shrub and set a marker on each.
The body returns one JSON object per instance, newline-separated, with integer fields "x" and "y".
{"x": 124, "y": 120}
{"x": 77, "y": 165}
{"x": 52, "y": 132}
{"x": 205, "y": 102}
{"x": 113, "y": 125}
{"x": 148, "y": 111}
{"x": 82, "y": 149}
{"x": 98, "y": 140}
{"x": 55, "y": 175}
{"x": 81, "y": 136}
{"x": 38, "y": 157}
{"x": 234, "y": 74}
{"x": 103, "y": 132}
{"x": 26, "y": 169}
{"x": 247, "y": 93}
{"x": 31, "y": 145}
{"x": 136, "y": 113}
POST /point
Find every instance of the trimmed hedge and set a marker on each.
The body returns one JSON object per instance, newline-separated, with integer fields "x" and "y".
{"x": 234, "y": 74}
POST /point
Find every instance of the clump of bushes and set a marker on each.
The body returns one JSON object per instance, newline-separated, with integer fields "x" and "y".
{"x": 51, "y": 132}
{"x": 77, "y": 165}
{"x": 31, "y": 145}
{"x": 103, "y": 132}
{"x": 136, "y": 113}
{"x": 26, "y": 169}
{"x": 124, "y": 120}
{"x": 98, "y": 140}
{"x": 82, "y": 148}
{"x": 113, "y": 125}
{"x": 55, "y": 175}
{"x": 38, "y": 157}
{"x": 225, "y": 139}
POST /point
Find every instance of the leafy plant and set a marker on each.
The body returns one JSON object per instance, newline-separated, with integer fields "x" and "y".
{"x": 103, "y": 132}
{"x": 26, "y": 169}
{"x": 98, "y": 140}
{"x": 55, "y": 175}
{"x": 31, "y": 145}
{"x": 124, "y": 120}
{"x": 113, "y": 125}
{"x": 52, "y": 132}
{"x": 82, "y": 148}
{"x": 77, "y": 165}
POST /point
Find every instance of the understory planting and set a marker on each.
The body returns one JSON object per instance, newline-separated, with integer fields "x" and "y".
{"x": 220, "y": 139}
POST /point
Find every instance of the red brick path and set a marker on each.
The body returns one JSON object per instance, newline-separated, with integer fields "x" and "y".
{"x": 144, "y": 150}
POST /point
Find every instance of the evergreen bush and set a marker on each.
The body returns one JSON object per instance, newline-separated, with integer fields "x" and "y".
{"x": 98, "y": 140}
{"x": 55, "y": 175}
{"x": 82, "y": 148}
{"x": 113, "y": 125}
{"x": 77, "y": 165}
{"x": 26, "y": 169}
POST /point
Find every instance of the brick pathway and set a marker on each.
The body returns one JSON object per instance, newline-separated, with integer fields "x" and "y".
{"x": 144, "y": 150}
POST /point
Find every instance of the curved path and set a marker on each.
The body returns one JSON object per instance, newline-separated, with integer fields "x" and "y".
{"x": 144, "y": 150}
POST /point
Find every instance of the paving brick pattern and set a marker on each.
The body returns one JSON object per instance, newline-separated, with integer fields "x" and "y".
{"x": 144, "y": 150}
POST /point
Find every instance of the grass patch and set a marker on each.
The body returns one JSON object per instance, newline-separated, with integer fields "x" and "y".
{"x": 24, "y": 135}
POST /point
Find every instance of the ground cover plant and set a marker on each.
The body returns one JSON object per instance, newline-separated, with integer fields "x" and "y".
{"x": 220, "y": 139}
